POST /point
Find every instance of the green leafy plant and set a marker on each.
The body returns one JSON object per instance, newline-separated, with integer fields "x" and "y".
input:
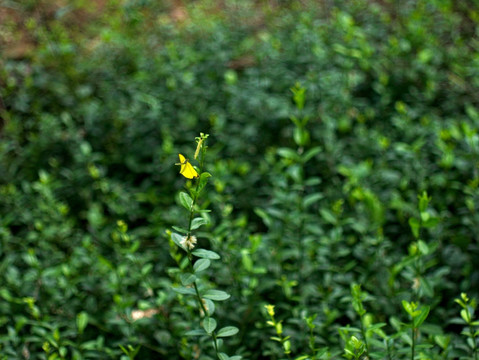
{"x": 199, "y": 259}
{"x": 472, "y": 331}
{"x": 327, "y": 123}
{"x": 130, "y": 351}
{"x": 354, "y": 348}
{"x": 278, "y": 327}
{"x": 418, "y": 315}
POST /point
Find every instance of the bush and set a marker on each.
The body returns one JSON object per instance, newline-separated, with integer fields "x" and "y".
{"x": 343, "y": 147}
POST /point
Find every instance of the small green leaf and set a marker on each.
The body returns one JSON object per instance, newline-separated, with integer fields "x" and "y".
{"x": 311, "y": 153}
{"x": 312, "y": 181}
{"x": 177, "y": 239}
{"x": 186, "y": 200}
{"x": 180, "y": 229}
{"x": 349, "y": 353}
{"x": 197, "y": 222}
{"x": 374, "y": 327}
{"x": 328, "y": 216}
{"x": 425, "y": 216}
{"x": 350, "y": 329}
{"x": 203, "y": 180}
{"x": 466, "y": 315}
{"x": 287, "y": 346}
{"x": 187, "y": 279}
{"x": 223, "y": 356}
{"x": 414, "y": 224}
{"x": 4, "y": 293}
{"x": 422, "y": 316}
{"x": 201, "y": 264}
{"x": 89, "y": 345}
{"x": 426, "y": 287}
{"x": 210, "y": 306}
{"x": 301, "y": 136}
{"x": 264, "y": 216}
{"x": 82, "y": 321}
{"x": 408, "y": 307}
{"x": 288, "y": 153}
{"x": 216, "y": 295}
{"x": 442, "y": 340}
{"x": 311, "y": 199}
{"x": 431, "y": 222}
{"x": 184, "y": 290}
{"x": 423, "y": 248}
{"x": 209, "y": 324}
{"x": 424, "y": 201}
{"x": 192, "y": 192}
{"x": 207, "y": 254}
{"x": 130, "y": 350}
{"x": 227, "y": 331}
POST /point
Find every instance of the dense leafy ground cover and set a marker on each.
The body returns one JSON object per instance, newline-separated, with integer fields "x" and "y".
{"x": 343, "y": 147}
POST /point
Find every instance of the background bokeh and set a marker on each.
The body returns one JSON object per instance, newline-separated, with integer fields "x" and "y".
{"x": 97, "y": 98}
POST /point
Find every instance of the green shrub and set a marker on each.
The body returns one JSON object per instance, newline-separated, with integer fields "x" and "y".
{"x": 344, "y": 149}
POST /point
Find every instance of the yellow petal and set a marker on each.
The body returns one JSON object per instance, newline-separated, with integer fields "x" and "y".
{"x": 187, "y": 170}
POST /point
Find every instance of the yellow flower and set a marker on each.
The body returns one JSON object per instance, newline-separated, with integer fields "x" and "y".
{"x": 186, "y": 169}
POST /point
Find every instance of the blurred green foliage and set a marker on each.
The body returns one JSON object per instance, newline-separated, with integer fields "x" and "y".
{"x": 344, "y": 147}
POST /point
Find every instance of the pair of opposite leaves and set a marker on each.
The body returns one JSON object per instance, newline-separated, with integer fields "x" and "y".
{"x": 186, "y": 169}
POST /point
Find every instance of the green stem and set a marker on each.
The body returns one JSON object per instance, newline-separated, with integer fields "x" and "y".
{"x": 388, "y": 350}
{"x": 282, "y": 339}
{"x": 474, "y": 348}
{"x": 190, "y": 256}
{"x": 300, "y": 236}
{"x": 413, "y": 333}
{"x": 192, "y": 209}
{"x": 198, "y": 297}
{"x": 195, "y": 198}
{"x": 311, "y": 342}
{"x": 215, "y": 342}
{"x": 363, "y": 333}
{"x": 356, "y": 355}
